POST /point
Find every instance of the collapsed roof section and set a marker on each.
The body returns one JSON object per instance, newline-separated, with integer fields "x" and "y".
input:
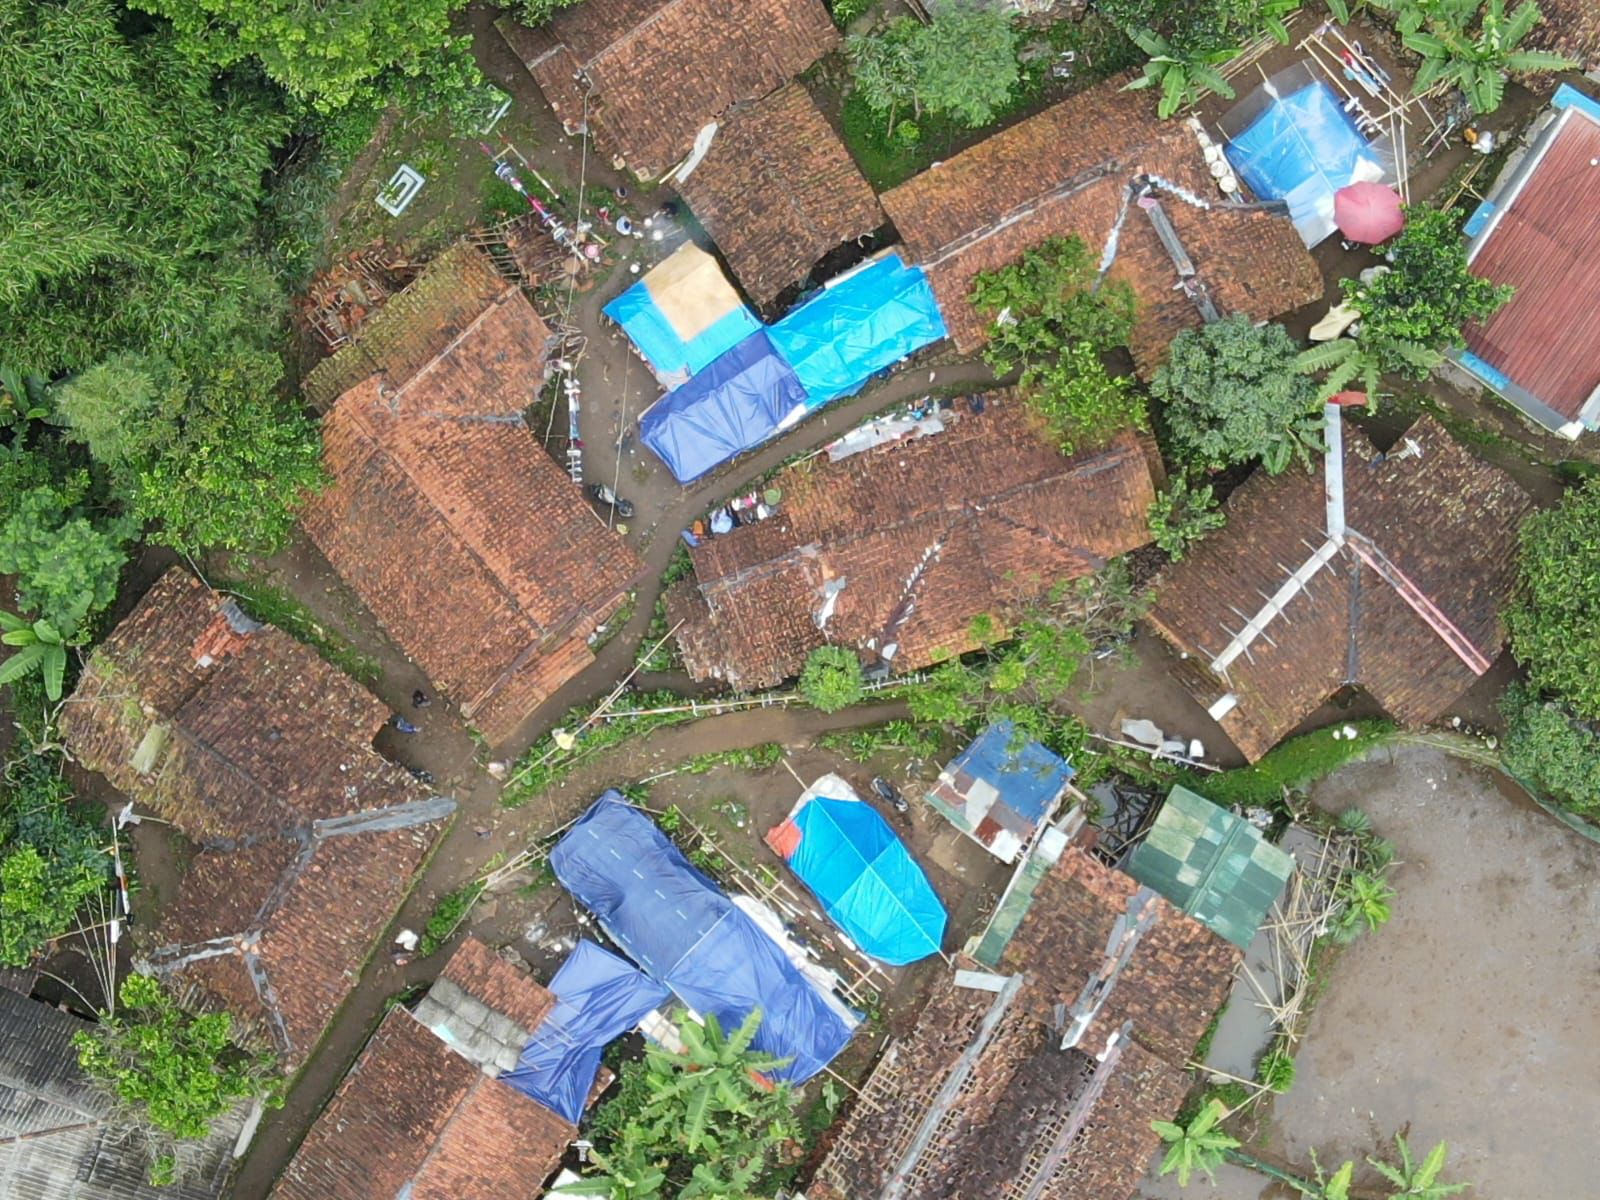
{"x": 646, "y": 76}
{"x": 1388, "y": 571}
{"x": 258, "y": 750}
{"x": 469, "y": 544}
{"x": 1081, "y": 168}
{"x": 880, "y": 552}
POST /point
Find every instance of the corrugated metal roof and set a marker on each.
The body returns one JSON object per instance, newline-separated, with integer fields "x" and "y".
{"x": 1213, "y": 865}
{"x": 1543, "y": 244}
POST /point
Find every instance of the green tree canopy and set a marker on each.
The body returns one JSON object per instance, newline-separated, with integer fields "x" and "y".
{"x": 962, "y": 64}
{"x": 831, "y": 679}
{"x": 1559, "y": 754}
{"x": 329, "y": 55}
{"x": 1555, "y": 632}
{"x": 1231, "y": 393}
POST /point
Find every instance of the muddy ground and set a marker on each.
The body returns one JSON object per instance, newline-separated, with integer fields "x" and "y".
{"x": 1470, "y": 1017}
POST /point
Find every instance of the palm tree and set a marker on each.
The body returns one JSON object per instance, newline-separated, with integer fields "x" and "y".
{"x": 1198, "y": 1146}
{"x": 1475, "y": 60}
{"x": 40, "y": 648}
{"x": 1183, "y": 78}
{"x": 1414, "y": 1180}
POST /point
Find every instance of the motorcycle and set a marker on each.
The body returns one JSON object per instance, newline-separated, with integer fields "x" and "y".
{"x": 889, "y": 794}
{"x": 601, "y": 494}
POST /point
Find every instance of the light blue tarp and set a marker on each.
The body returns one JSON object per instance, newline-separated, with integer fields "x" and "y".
{"x": 846, "y": 333}
{"x": 736, "y": 403}
{"x": 1301, "y": 150}
{"x": 867, "y": 880}
{"x": 647, "y": 328}
{"x": 1027, "y": 777}
{"x": 599, "y": 997}
{"x": 685, "y": 933}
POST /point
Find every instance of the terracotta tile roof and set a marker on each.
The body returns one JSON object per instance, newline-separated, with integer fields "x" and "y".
{"x": 659, "y": 70}
{"x": 1023, "y": 1103}
{"x": 256, "y": 748}
{"x": 778, "y": 190}
{"x": 1178, "y": 976}
{"x": 1067, "y": 171}
{"x": 1444, "y": 521}
{"x": 412, "y": 327}
{"x": 416, "y": 1118}
{"x": 1544, "y": 339}
{"x": 910, "y": 559}
{"x": 1570, "y": 27}
{"x": 470, "y": 545}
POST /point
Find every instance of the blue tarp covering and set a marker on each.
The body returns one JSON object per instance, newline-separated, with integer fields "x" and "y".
{"x": 599, "y": 997}
{"x": 867, "y": 880}
{"x": 680, "y": 927}
{"x": 845, "y": 334}
{"x": 736, "y": 403}
{"x": 648, "y": 328}
{"x": 1027, "y": 777}
{"x": 1302, "y": 149}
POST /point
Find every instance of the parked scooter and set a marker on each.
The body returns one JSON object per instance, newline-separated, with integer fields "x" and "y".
{"x": 601, "y": 494}
{"x": 889, "y": 794}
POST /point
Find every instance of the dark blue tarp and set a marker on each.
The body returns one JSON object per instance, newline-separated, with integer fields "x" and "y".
{"x": 599, "y": 997}
{"x": 1027, "y": 777}
{"x": 867, "y": 880}
{"x": 736, "y": 403}
{"x": 849, "y": 331}
{"x": 680, "y": 927}
{"x": 649, "y": 329}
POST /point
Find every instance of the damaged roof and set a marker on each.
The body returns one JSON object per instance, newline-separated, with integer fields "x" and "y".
{"x": 778, "y": 190}
{"x": 645, "y": 76}
{"x": 471, "y": 546}
{"x": 261, "y": 753}
{"x": 1407, "y": 604}
{"x": 419, "y": 1116}
{"x": 1071, "y": 170}
{"x": 59, "y": 1139}
{"x": 877, "y": 551}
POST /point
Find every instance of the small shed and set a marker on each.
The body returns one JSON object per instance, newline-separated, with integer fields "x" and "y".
{"x": 1213, "y": 865}
{"x": 998, "y": 793}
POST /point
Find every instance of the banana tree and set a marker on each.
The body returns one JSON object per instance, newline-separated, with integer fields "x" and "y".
{"x": 40, "y": 647}
{"x": 1471, "y": 45}
{"x": 1197, "y": 1146}
{"x": 1417, "y": 1181}
{"x": 1182, "y": 77}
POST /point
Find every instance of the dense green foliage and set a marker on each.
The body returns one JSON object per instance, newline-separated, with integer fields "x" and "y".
{"x": 1185, "y": 44}
{"x": 1555, "y": 620}
{"x": 1050, "y": 322}
{"x": 331, "y": 56}
{"x": 1470, "y": 44}
{"x": 1230, "y": 394}
{"x": 1290, "y": 766}
{"x": 448, "y": 914}
{"x": 1182, "y": 515}
{"x": 537, "y": 12}
{"x": 831, "y": 679}
{"x": 702, "y": 1124}
{"x": 170, "y": 1072}
{"x": 1197, "y": 1146}
{"x": 961, "y": 64}
{"x": 1179, "y": 77}
{"x": 1554, "y": 751}
{"x": 53, "y": 856}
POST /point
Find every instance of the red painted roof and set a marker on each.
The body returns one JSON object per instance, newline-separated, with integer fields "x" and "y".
{"x": 1544, "y": 245}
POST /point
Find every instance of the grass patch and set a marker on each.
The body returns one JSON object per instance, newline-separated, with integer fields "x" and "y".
{"x": 267, "y": 603}
{"x": 448, "y": 914}
{"x": 752, "y": 758}
{"x": 1293, "y": 765}
{"x": 859, "y": 745}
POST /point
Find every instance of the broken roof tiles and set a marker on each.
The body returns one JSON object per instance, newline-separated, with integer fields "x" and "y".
{"x": 646, "y": 76}
{"x": 418, "y": 1117}
{"x": 471, "y": 546}
{"x": 1408, "y": 606}
{"x": 777, "y": 191}
{"x": 1070, "y": 170}
{"x": 255, "y": 748}
{"x": 878, "y": 551}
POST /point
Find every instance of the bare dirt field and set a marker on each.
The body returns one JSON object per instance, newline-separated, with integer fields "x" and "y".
{"x": 1470, "y": 1017}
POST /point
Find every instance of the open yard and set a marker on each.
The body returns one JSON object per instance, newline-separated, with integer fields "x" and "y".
{"x": 1470, "y": 1017}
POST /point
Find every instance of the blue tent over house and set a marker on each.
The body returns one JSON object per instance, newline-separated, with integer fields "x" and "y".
{"x": 687, "y": 934}
{"x": 732, "y": 406}
{"x": 856, "y": 326}
{"x": 1000, "y": 790}
{"x": 683, "y": 315}
{"x": 865, "y": 877}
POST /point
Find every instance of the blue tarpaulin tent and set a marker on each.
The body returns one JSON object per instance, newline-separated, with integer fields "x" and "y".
{"x": 599, "y": 997}
{"x": 683, "y": 315}
{"x": 733, "y": 405}
{"x": 1301, "y": 149}
{"x": 687, "y": 934}
{"x": 866, "y": 879}
{"x": 857, "y": 326}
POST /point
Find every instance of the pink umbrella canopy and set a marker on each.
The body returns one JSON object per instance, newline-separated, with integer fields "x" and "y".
{"x": 1368, "y": 212}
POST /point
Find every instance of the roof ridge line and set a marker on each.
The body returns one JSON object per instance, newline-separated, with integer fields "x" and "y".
{"x": 1419, "y": 602}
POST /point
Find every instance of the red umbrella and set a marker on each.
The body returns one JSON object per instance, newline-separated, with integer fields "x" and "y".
{"x": 1368, "y": 212}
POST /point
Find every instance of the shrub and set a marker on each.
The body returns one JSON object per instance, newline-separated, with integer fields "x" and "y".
{"x": 831, "y": 679}
{"x": 1296, "y": 763}
{"x": 1554, "y": 634}
{"x": 961, "y": 64}
{"x": 1553, "y": 750}
{"x": 1182, "y": 515}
